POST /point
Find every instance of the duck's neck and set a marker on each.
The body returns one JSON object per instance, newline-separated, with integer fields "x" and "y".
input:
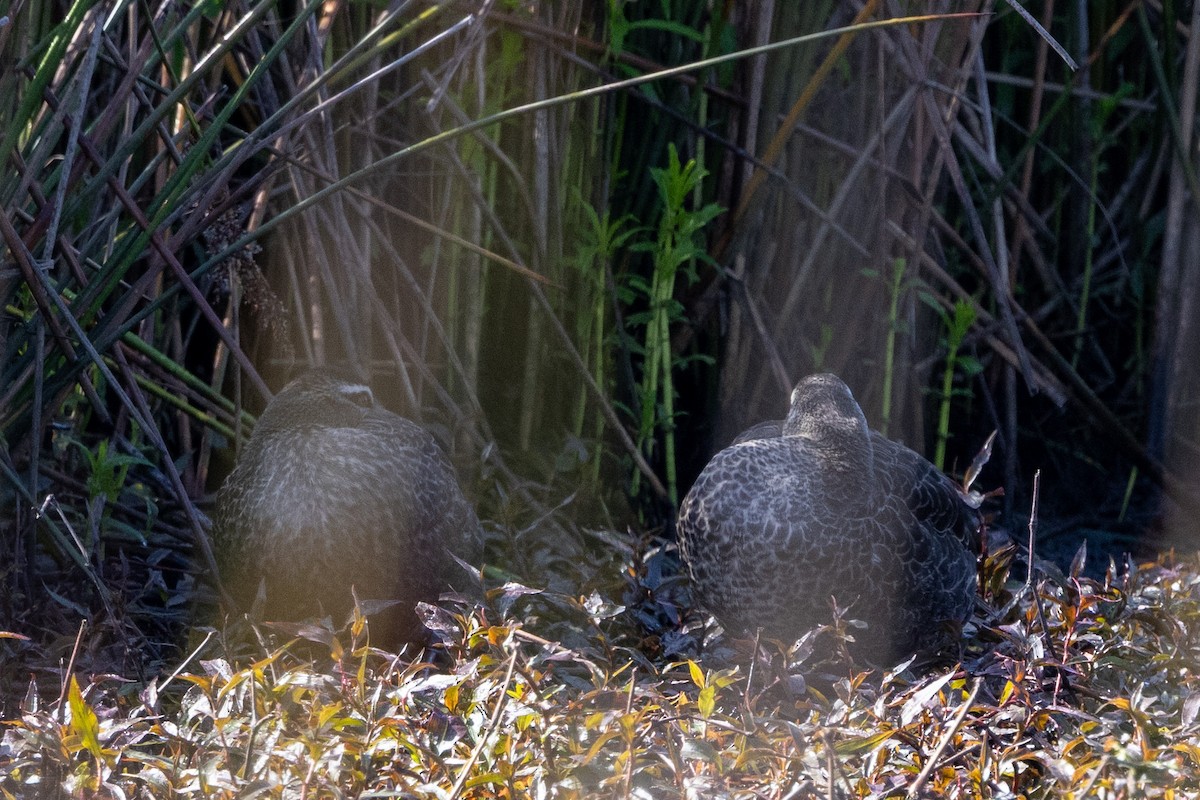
{"x": 846, "y": 455}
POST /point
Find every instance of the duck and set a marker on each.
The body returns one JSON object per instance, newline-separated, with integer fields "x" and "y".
{"x": 335, "y": 498}
{"x": 821, "y": 509}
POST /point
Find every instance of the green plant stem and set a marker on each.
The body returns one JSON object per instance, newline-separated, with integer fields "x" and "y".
{"x": 958, "y": 323}
{"x": 889, "y": 355}
{"x": 668, "y": 399}
{"x": 943, "y": 430}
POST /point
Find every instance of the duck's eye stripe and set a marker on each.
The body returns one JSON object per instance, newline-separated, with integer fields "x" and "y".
{"x": 357, "y": 393}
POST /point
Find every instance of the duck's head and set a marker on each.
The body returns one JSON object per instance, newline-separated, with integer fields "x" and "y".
{"x": 823, "y": 410}
{"x": 320, "y": 398}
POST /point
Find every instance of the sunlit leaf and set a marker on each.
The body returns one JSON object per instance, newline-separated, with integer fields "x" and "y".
{"x": 84, "y": 722}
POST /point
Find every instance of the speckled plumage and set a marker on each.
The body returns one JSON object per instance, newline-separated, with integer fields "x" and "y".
{"x": 821, "y": 506}
{"x": 333, "y": 491}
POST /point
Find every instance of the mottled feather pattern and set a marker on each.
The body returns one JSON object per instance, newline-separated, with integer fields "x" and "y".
{"x": 819, "y": 506}
{"x": 330, "y": 493}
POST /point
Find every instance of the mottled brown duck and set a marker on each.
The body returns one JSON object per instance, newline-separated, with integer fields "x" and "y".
{"x": 333, "y": 491}
{"x": 822, "y": 507}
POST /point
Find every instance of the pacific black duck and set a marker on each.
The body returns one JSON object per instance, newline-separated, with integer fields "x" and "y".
{"x": 332, "y": 491}
{"x": 819, "y": 507}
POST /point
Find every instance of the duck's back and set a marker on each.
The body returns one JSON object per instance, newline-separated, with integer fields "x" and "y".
{"x": 775, "y": 527}
{"x": 767, "y": 544}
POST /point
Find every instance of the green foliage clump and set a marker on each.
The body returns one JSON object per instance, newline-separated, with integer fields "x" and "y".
{"x": 677, "y": 250}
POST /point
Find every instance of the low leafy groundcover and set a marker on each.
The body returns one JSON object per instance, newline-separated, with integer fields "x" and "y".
{"x": 1070, "y": 688}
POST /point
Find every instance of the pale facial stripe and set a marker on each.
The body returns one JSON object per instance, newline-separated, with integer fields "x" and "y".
{"x": 357, "y": 393}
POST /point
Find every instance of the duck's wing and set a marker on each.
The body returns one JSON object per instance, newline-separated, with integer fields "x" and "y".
{"x": 422, "y": 471}
{"x": 934, "y": 500}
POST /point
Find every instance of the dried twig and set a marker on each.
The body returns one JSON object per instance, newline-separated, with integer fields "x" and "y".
{"x": 930, "y": 763}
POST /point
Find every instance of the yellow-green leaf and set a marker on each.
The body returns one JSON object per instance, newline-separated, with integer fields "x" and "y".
{"x": 327, "y": 713}
{"x": 859, "y": 744}
{"x": 707, "y": 701}
{"x": 84, "y": 723}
